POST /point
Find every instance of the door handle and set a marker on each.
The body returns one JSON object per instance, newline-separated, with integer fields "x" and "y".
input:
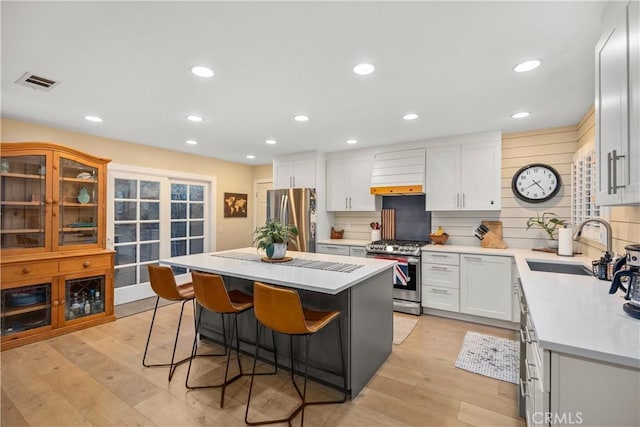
{"x": 609, "y": 168}
{"x": 457, "y": 200}
{"x": 615, "y": 158}
{"x": 463, "y": 200}
{"x": 346, "y": 205}
{"x": 349, "y": 202}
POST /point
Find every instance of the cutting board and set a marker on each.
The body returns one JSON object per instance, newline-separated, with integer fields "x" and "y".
{"x": 388, "y": 224}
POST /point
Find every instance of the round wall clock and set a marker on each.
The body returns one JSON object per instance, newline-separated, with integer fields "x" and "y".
{"x": 536, "y": 183}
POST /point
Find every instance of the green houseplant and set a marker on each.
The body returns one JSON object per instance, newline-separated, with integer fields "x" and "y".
{"x": 274, "y": 236}
{"x": 549, "y": 222}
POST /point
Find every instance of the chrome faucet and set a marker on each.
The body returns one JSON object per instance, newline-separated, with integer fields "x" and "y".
{"x": 578, "y": 232}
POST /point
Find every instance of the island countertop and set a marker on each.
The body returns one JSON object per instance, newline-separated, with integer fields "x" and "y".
{"x": 323, "y": 281}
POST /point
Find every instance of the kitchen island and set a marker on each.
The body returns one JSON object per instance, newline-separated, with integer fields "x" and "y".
{"x": 360, "y": 288}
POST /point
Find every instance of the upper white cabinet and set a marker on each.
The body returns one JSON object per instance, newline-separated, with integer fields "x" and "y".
{"x": 463, "y": 177}
{"x": 348, "y": 181}
{"x": 296, "y": 171}
{"x": 617, "y": 106}
{"x": 485, "y": 286}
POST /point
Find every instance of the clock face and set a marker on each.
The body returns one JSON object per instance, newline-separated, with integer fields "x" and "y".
{"x": 536, "y": 183}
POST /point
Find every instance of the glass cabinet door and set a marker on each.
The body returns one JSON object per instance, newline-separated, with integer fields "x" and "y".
{"x": 84, "y": 297}
{"x": 25, "y": 308}
{"x": 23, "y": 197}
{"x": 78, "y": 203}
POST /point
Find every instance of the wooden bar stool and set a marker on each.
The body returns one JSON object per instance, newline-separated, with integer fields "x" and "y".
{"x": 212, "y": 295}
{"x": 164, "y": 285}
{"x": 281, "y": 311}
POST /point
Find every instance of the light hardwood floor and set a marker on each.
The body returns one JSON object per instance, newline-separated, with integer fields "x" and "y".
{"x": 94, "y": 377}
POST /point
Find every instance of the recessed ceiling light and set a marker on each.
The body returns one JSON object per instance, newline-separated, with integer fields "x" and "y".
{"x": 93, "y": 118}
{"x": 410, "y": 116}
{"x": 527, "y": 66}
{"x": 201, "y": 71}
{"x": 363, "y": 69}
{"x": 194, "y": 118}
{"x": 191, "y": 142}
{"x": 250, "y": 156}
{"x": 352, "y": 141}
{"x": 270, "y": 141}
{"x": 301, "y": 118}
{"x": 520, "y": 115}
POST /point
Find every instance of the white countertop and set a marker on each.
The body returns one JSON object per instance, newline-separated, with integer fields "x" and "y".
{"x": 344, "y": 242}
{"x": 327, "y": 282}
{"x": 571, "y": 314}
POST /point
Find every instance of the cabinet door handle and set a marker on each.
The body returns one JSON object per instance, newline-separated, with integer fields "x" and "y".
{"x": 294, "y": 182}
{"x": 531, "y": 332}
{"x": 615, "y": 171}
{"x": 457, "y": 200}
{"x": 526, "y": 368}
{"x": 26, "y": 270}
{"x": 439, "y": 255}
{"x": 55, "y": 303}
{"x": 473, "y": 258}
{"x": 609, "y": 168}
{"x": 463, "y": 200}
{"x": 349, "y": 202}
{"x": 439, "y": 291}
{"x": 49, "y": 201}
{"x": 86, "y": 264}
{"x": 522, "y": 392}
{"x": 437, "y": 268}
{"x": 62, "y": 301}
{"x": 346, "y": 205}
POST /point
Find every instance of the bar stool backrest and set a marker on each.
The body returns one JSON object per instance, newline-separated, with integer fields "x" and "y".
{"x": 211, "y": 292}
{"x": 279, "y": 309}
{"x": 163, "y": 282}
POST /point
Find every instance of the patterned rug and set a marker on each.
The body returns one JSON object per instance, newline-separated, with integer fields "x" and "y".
{"x": 493, "y": 357}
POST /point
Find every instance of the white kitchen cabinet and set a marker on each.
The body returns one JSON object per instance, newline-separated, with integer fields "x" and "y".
{"x": 463, "y": 177}
{"x": 339, "y": 249}
{"x": 358, "y": 251}
{"x": 348, "y": 183}
{"x": 297, "y": 171}
{"x": 617, "y": 106}
{"x": 485, "y": 286}
{"x": 440, "y": 280}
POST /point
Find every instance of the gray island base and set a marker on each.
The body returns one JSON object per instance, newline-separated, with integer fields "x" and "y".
{"x": 363, "y": 297}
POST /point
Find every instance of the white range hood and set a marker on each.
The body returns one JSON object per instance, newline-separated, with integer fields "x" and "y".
{"x": 398, "y": 172}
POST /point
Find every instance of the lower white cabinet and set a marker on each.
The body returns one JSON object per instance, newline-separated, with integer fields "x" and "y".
{"x": 440, "y": 280}
{"x": 485, "y": 286}
{"x": 441, "y": 298}
{"x": 346, "y": 250}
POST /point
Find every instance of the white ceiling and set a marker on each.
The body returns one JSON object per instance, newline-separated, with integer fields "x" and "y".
{"x": 129, "y": 63}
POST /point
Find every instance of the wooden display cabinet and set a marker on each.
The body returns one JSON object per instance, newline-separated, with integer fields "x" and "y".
{"x": 56, "y": 274}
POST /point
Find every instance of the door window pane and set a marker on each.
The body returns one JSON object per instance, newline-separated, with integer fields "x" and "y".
{"x": 196, "y": 246}
{"x": 125, "y": 211}
{"x": 178, "y": 247}
{"x": 196, "y": 193}
{"x": 149, "y": 211}
{"x": 125, "y": 276}
{"x": 125, "y": 233}
{"x": 196, "y": 210}
{"x": 150, "y": 231}
{"x": 126, "y": 254}
{"x": 178, "y": 210}
{"x": 178, "y": 191}
{"x": 149, "y": 252}
{"x": 178, "y": 229}
{"x": 196, "y": 228}
{"x": 149, "y": 190}
{"x": 126, "y": 188}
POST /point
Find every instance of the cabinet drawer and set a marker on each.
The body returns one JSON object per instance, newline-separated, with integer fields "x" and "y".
{"x": 441, "y": 298}
{"x": 441, "y": 275}
{"x": 357, "y": 251}
{"x": 33, "y": 269}
{"x": 332, "y": 249}
{"x": 85, "y": 263}
{"x": 440, "y": 258}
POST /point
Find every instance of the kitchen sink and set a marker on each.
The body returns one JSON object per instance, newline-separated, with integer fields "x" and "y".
{"x": 559, "y": 267}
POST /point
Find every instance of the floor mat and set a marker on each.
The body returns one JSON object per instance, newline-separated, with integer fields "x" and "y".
{"x": 491, "y": 356}
{"x": 402, "y": 327}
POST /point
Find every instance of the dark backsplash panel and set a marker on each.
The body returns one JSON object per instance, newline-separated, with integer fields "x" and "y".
{"x": 412, "y": 221}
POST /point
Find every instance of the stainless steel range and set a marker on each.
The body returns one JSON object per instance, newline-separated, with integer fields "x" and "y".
{"x": 407, "y": 295}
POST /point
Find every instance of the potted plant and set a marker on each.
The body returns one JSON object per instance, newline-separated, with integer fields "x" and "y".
{"x": 274, "y": 236}
{"x": 549, "y": 222}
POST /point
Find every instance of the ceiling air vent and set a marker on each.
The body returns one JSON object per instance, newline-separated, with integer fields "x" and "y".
{"x": 36, "y": 82}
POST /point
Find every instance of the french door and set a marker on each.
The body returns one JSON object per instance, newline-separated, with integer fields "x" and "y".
{"x": 152, "y": 217}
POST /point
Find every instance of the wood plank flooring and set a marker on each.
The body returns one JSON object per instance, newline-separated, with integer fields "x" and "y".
{"x": 94, "y": 377}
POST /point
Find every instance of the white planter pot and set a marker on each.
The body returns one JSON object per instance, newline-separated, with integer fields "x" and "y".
{"x": 552, "y": 244}
{"x": 279, "y": 250}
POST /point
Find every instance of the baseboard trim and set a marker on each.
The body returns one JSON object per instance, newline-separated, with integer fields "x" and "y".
{"x": 470, "y": 318}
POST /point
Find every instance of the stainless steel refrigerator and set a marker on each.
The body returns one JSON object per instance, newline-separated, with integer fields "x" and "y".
{"x": 295, "y": 206}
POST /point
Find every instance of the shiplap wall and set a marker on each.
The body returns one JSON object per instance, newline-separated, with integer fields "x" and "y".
{"x": 554, "y": 147}
{"x": 625, "y": 220}
{"x": 356, "y": 225}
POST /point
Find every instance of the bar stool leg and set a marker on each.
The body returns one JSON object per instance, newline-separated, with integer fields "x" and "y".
{"x": 253, "y": 375}
{"x": 174, "y": 364}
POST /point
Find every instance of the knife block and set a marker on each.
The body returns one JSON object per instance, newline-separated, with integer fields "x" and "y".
{"x": 491, "y": 240}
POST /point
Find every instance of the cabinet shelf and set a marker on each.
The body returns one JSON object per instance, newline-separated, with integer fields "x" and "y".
{"x": 14, "y": 311}
{"x": 79, "y": 205}
{"x": 77, "y": 229}
{"x": 22, "y": 230}
{"x": 21, "y": 175}
{"x": 14, "y": 203}
{"x": 84, "y": 181}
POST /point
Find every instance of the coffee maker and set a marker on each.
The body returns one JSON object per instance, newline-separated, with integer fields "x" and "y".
{"x": 632, "y": 260}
